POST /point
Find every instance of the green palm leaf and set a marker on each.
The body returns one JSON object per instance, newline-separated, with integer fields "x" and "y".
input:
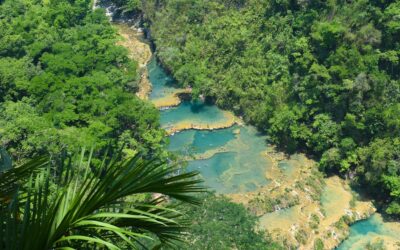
{"x": 94, "y": 208}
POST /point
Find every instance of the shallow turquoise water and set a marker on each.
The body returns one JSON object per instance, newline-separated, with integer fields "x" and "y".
{"x": 194, "y": 112}
{"x": 364, "y": 230}
{"x": 199, "y": 141}
{"x": 239, "y": 165}
{"x": 286, "y": 168}
{"x": 242, "y": 169}
{"x": 212, "y": 170}
{"x": 161, "y": 82}
{"x": 283, "y": 218}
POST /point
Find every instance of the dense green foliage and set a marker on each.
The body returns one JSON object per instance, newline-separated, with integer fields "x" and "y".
{"x": 65, "y": 84}
{"x": 318, "y": 76}
{"x": 220, "y": 224}
{"x": 51, "y": 205}
{"x": 124, "y": 7}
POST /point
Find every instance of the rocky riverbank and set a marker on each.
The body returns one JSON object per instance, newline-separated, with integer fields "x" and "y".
{"x": 140, "y": 51}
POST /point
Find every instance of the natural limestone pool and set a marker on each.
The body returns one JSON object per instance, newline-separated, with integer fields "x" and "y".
{"x": 162, "y": 83}
{"x": 192, "y": 113}
{"x": 237, "y": 166}
{"x": 233, "y": 159}
{"x": 229, "y": 159}
{"x": 192, "y": 141}
{"x": 372, "y": 231}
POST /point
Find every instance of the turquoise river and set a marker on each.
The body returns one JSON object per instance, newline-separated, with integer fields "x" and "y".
{"x": 230, "y": 160}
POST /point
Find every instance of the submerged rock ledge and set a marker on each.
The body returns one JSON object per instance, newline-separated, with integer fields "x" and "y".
{"x": 230, "y": 120}
{"x": 171, "y": 100}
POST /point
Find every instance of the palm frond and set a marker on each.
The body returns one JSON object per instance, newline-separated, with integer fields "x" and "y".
{"x": 93, "y": 207}
{"x": 12, "y": 177}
